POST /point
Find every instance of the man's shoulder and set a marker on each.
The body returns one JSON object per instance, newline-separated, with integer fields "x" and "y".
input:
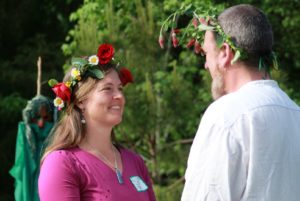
{"x": 253, "y": 95}
{"x": 223, "y": 110}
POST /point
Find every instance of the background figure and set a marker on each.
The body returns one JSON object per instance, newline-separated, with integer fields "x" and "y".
{"x": 38, "y": 118}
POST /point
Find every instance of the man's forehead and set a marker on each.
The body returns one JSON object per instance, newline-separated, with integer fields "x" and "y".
{"x": 208, "y": 36}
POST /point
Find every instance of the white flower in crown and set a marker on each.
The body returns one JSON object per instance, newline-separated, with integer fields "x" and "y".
{"x": 75, "y": 73}
{"x": 94, "y": 60}
{"x": 59, "y": 103}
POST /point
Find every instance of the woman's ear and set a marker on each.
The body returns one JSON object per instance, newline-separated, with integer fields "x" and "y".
{"x": 80, "y": 105}
{"x": 225, "y": 55}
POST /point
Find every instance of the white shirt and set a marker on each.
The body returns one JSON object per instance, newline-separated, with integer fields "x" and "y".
{"x": 247, "y": 148}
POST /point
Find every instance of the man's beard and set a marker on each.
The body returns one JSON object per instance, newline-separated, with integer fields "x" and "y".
{"x": 217, "y": 86}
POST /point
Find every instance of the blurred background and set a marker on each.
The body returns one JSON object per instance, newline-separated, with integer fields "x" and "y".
{"x": 171, "y": 89}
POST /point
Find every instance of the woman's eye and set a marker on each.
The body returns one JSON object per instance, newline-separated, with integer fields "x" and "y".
{"x": 106, "y": 88}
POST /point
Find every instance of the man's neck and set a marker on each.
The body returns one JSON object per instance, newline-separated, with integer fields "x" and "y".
{"x": 238, "y": 75}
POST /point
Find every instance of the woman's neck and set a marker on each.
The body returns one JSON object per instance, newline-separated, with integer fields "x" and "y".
{"x": 99, "y": 138}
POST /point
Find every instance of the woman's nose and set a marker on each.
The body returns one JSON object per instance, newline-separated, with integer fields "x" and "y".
{"x": 118, "y": 94}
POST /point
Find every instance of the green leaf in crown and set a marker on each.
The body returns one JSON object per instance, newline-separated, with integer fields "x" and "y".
{"x": 95, "y": 72}
{"x": 52, "y": 82}
{"x": 203, "y": 27}
{"x": 79, "y": 63}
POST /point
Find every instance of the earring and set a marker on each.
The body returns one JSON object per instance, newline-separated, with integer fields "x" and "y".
{"x": 83, "y": 121}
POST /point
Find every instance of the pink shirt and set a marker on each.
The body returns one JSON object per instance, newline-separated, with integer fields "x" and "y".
{"x": 74, "y": 174}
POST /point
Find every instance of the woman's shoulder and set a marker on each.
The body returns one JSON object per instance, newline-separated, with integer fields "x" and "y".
{"x": 59, "y": 174}
{"x": 60, "y": 157}
{"x": 130, "y": 154}
{"x": 61, "y": 153}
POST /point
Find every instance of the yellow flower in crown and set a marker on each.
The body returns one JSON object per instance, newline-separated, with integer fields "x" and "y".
{"x": 75, "y": 73}
{"x": 68, "y": 84}
{"x": 94, "y": 60}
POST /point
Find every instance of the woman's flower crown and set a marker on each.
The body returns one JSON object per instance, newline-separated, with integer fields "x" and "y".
{"x": 193, "y": 34}
{"x": 90, "y": 67}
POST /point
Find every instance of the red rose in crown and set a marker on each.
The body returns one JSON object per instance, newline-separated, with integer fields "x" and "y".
{"x": 125, "y": 76}
{"x": 105, "y": 53}
{"x": 62, "y": 91}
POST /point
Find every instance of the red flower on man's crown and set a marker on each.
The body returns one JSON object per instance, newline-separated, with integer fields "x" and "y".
{"x": 161, "y": 41}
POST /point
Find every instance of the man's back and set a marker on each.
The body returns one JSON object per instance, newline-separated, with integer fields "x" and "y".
{"x": 247, "y": 148}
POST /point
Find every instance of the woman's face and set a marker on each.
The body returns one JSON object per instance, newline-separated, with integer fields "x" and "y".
{"x": 105, "y": 103}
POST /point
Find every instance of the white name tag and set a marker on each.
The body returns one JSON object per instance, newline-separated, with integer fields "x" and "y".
{"x": 138, "y": 183}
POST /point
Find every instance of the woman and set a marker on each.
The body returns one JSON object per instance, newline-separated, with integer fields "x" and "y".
{"x": 81, "y": 162}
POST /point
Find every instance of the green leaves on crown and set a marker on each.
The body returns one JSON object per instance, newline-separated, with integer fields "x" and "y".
{"x": 193, "y": 34}
{"x": 86, "y": 68}
{"x": 52, "y": 82}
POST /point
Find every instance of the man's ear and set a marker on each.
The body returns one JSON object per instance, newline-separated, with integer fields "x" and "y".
{"x": 225, "y": 55}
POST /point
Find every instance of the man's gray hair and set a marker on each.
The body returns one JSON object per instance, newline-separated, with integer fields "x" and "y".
{"x": 249, "y": 29}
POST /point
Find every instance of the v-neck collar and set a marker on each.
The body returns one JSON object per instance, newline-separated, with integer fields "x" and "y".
{"x": 102, "y": 162}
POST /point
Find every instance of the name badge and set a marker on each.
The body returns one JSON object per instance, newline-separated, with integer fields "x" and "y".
{"x": 138, "y": 183}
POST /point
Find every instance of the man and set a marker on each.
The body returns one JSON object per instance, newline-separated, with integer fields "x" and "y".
{"x": 247, "y": 146}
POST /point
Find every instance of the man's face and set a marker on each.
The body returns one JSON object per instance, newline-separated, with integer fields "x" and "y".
{"x": 211, "y": 52}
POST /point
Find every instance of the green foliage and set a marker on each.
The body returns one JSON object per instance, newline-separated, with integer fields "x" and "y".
{"x": 171, "y": 89}
{"x": 11, "y": 108}
{"x": 169, "y": 193}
